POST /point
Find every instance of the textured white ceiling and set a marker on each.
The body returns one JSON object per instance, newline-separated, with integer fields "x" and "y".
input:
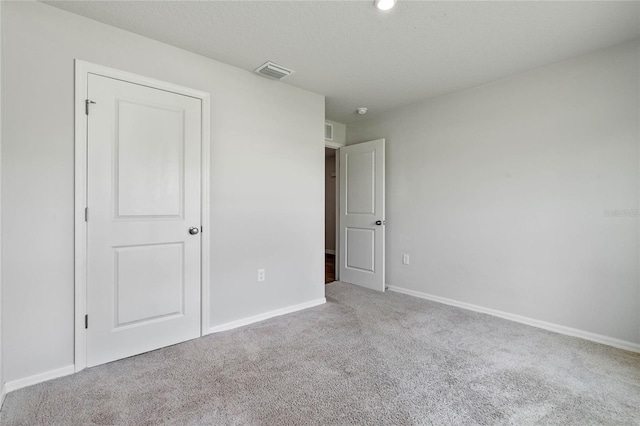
{"x": 357, "y": 56}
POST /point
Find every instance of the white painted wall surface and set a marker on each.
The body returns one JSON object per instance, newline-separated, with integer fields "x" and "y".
{"x": 267, "y": 169}
{"x": 500, "y": 193}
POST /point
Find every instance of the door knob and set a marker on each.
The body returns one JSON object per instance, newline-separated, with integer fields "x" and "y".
{"x": 194, "y": 230}
{"x": 379, "y": 222}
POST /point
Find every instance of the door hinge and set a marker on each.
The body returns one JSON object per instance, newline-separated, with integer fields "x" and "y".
{"x": 86, "y": 214}
{"x": 86, "y": 321}
{"x": 87, "y": 102}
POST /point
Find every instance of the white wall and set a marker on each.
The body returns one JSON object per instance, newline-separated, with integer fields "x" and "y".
{"x": 500, "y": 193}
{"x": 267, "y": 176}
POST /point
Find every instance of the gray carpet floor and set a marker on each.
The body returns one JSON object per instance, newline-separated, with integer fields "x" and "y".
{"x": 364, "y": 358}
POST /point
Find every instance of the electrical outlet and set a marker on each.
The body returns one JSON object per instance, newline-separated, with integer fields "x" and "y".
{"x": 405, "y": 259}
{"x": 261, "y": 275}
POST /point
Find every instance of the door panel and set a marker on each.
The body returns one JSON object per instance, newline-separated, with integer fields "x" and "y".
{"x": 156, "y": 188}
{"x": 361, "y": 206}
{"x": 361, "y": 183}
{"x": 360, "y": 249}
{"x": 149, "y": 283}
{"x": 143, "y": 266}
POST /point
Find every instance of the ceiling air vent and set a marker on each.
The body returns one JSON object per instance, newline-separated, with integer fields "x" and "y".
{"x": 328, "y": 131}
{"x": 271, "y": 70}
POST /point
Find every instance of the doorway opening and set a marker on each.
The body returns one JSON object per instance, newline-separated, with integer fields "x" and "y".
{"x": 330, "y": 214}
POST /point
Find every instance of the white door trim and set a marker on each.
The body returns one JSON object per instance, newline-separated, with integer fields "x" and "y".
{"x": 82, "y": 69}
{"x": 332, "y": 144}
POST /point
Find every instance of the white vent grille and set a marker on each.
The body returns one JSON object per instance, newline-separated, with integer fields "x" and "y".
{"x": 271, "y": 70}
{"x": 328, "y": 131}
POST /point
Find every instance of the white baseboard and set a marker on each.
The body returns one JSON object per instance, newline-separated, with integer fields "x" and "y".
{"x": 598, "y": 338}
{"x": 37, "y": 378}
{"x": 70, "y": 369}
{"x": 266, "y": 315}
{"x": 327, "y": 251}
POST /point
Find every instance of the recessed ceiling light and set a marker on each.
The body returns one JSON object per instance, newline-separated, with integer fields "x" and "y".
{"x": 385, "y": 4}
{"x": 362, "y": 110}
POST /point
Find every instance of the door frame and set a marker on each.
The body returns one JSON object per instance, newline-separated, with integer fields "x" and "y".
{"x": 82, "y": 70}
{"x": 336, "y": 265}
{"x": 336, "y": 147}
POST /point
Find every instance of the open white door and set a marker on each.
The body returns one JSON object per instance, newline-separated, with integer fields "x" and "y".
{"x": 362, "y": 214}
{"x": 144, "y": 218}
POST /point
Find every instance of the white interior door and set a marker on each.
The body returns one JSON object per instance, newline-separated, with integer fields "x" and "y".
{"x": 143, "y": 196}
{"x": 362, "y": 214}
